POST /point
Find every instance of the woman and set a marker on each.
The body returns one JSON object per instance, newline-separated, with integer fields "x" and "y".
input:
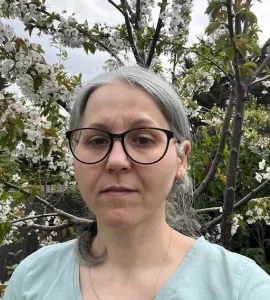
{"x": 129, "y": 135}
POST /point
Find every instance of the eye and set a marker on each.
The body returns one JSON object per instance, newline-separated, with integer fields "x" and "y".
{"x": 98, "y": 141}
{"x": 142, "y": 140}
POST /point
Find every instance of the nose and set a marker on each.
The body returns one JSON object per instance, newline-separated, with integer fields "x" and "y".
{"x": 117, "y": 159}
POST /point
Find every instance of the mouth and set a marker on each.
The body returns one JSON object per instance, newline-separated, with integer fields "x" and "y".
{"x": 118, "y": 191}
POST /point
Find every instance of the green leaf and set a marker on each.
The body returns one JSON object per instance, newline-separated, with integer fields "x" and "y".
{"x": 251, "y": 64}
{"x": 212, "y": 27}
{"x": 40, "y": 50}
{"x": 2, "y": 286}
{"x": 20, "y": 240}
{"x": 162, "y": 5}
{"x": 92, "y": 48}
{"x": 4, "y": 196}
{"x": 29, "y": 28}
{"x": 220, "y": 45}
{"x": 212, "y": 5}
{"x": 241, "y": 46}
{"x": 37, "y": 83}
{"x": 19, "y": 123}
{"x": 46, "y": 147}
{"x": 19, "y": 198}
{"x": 78, "y": 78}
{"x": 36, "y": 2}
{"x": 85, "y": 47}
{"x": 34, "y": 190}
{"x": 11, "y": 131}
{"x": 159, "y": 49}
{"x": 246, "y": 71}
{"x": 242, "y": 224}
{"x": 64, "y": 232}
{"x": 222, "y": 178}
{"x": 256, "y": 49}
{"x": 51, "y": 132}
{"x": 4, "y": 229}
{"x": 230, "y": 52}
{"x": 22, "y": 44}
{"x": 216, "y": 13}
{"x": 71, "y": 230}
{"x": 251, "y": 17}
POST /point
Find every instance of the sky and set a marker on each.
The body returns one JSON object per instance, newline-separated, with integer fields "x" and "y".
{"x": 102, "y": 11}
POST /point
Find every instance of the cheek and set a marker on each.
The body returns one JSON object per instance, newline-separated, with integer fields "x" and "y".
{"x": 79, "y": 170}
{"x": 160, "y": 180}
{"x": 86, "y": 176}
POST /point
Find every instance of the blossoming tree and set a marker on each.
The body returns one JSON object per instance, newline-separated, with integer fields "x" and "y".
{"x": 32, "y": 127}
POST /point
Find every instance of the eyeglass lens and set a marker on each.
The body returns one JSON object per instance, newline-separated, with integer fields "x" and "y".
{"x": 142, "y": 145}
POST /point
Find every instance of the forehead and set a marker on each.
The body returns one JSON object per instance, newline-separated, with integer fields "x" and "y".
{"x": 119, "y": 105}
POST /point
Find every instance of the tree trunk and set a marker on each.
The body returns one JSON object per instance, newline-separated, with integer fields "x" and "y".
{"x": 229, "y": 196}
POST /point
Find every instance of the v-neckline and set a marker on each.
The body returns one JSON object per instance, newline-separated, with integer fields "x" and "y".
{"x": 169, "y": 284}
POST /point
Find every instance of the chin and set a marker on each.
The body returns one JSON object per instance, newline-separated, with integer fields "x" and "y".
{"x": 118, "y": 219}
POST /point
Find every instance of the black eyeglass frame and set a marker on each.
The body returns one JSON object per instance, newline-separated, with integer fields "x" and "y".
{"x": 121, "y": 136}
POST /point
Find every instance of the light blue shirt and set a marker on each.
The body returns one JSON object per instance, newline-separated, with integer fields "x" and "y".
{"x": 208, "y": 272}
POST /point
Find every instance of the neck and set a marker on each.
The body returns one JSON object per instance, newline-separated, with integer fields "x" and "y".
{"x": 141, "y": 246}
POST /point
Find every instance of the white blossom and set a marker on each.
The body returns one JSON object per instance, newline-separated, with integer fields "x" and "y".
{"x": 262, "y": 164}
{"x": 258, "y": 177}
{"x": 266, "y": 83}
{"x": 249, "y": 213}
{"x": 16, "y": 178}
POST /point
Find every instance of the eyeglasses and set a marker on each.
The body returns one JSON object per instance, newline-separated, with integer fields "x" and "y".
{"x": 142, "y": 145}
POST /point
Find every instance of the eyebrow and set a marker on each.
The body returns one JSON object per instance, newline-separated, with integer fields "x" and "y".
{"x": 138, "y": 122}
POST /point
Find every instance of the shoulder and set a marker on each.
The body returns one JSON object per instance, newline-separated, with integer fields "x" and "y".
{"x": 237, "y": 273}
{"x": 45, "y": 263}
{"x": 219, "y": 254}
{"x": 56, "y": 253}
{"x": 214, "y": 256}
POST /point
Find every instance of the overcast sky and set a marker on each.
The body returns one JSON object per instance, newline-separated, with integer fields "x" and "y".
{"x": 102, "y": 11}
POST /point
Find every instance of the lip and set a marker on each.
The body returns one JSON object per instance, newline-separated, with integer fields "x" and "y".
{"x": 118, "y": 194}
{"x": 117, "y": 190}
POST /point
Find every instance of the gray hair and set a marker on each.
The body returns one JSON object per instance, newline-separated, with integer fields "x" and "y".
{"x": 179, "y": 208}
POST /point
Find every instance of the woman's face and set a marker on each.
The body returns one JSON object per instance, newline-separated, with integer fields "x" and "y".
{"x": 117, "y": 108}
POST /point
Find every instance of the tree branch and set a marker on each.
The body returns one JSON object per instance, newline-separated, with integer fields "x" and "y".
{"x": 156, "y": 36}
{"x": 263, "y": 52}
{"x": 85, "y": 32}
{"x": 265, "y": 47}
{"x": 109, "y": 50}
{"x": 175, "y": 59}
{"x": 34, "y": 217}
{"x": 211, "y": 112}
{"x": 264, "y": 64}
{"x": 245, "y": 29}
{"x": 208, "y": 210}
{"x": 60, "y": 212}
{"x": 137, "y": 18}
{"x": 131, "y": 37}
{"x": 215, "y": 64}
{"x": 116, "y": 6}
{"x": 259, "y": 80}
{"x": 231, "y": 176}
{"x": 220, "y": 150}
{"x": 253, "y": 193}
{"x": 238, "y": 29}
{"x": 238, "y": 204}
{"x": 52, "y": 228}
{"x": 232, "y": 36}
{"x": 130, "y": 11}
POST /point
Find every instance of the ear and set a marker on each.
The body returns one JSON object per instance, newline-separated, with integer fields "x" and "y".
{"x": 183, "y": 160}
